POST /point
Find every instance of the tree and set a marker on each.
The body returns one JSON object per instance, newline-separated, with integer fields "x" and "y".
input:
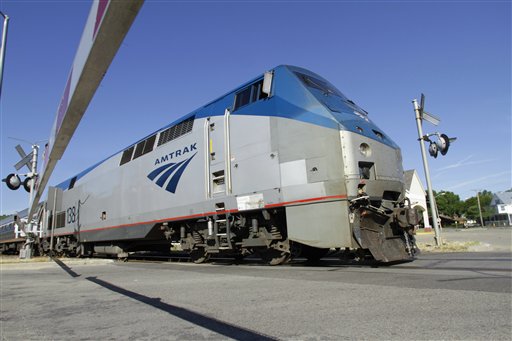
{"x": 449, "y": 203}
{"x": 471, "y": 206}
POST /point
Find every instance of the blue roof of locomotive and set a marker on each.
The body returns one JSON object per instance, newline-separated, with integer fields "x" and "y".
{"x": 292, "y": 99}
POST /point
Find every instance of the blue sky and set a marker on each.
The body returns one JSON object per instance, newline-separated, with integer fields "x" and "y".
{"x": 180, "y": 55}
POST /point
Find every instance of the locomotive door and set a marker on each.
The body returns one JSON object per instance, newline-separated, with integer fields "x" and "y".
{"x": 218, "y": 161}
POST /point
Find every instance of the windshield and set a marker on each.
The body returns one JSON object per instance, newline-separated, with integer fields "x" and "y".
{"x": 321, "y": 85}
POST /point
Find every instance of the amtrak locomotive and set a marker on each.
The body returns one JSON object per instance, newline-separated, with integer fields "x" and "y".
{"x": 285, "y": 165}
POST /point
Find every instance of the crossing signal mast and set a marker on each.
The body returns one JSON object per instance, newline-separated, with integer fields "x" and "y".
{"x": 13, "y": 182}
{"x": 440, "y": 145}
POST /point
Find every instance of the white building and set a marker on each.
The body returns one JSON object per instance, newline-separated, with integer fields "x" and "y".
{"x": 503, "y": 203}
{"x": 415, "y": 192}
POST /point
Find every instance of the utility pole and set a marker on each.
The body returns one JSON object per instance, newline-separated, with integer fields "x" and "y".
{"x": 479, "y": 207}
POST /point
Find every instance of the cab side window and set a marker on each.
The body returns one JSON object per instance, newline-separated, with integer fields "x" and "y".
{"x": 252, "y": 93}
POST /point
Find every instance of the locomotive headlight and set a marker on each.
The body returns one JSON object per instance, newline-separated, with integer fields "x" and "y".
{"x": 365, "y": 150}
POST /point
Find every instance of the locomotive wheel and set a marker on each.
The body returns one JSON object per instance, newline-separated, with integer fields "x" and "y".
{"x": 79, "y": 252}
{"x": 239, "y": 258}
{"x": 59, "y": 250}
{"x": 274, "y": 257}
{"x": 199, "y": 255}
{"x": 240, "y": 255}
{"x": 313, "y": 254}
{"x": 44, "y": 247}
{"x": 295, "y": 249}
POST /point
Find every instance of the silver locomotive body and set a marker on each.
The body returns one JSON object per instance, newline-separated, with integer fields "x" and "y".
{"x": 284, "y": 165}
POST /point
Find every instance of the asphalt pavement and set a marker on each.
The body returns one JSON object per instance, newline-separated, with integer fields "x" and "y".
{"x": 449, "y": 296}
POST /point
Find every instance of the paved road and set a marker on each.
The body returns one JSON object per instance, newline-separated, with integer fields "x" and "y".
{"x": 439, "y": 296}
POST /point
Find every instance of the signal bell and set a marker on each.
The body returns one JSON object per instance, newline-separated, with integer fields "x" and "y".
{"x": 12, "y": 181}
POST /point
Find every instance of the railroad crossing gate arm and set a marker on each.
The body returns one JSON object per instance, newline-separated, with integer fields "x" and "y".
{"x": 105, "y": 29}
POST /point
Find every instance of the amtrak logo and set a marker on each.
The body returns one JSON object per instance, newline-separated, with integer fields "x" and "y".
{"x": 169, "y": 175}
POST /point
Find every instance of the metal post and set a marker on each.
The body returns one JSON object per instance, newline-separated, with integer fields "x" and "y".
{"x": 33, "y": 174}
{"x": 433, "y": 209}
{"x": 54, "y": 219}
{"x": 2, "y": 49}
{"x": 33, "y": 171}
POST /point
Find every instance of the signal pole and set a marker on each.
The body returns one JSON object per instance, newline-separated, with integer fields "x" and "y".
{"x": 31, "y": 229}
{"x": 33, "y": 181}
{"x": 433, "y": 208}
{"x": 33, "y": 172}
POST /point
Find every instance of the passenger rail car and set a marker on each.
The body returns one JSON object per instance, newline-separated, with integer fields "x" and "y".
{"x": 11, "y": 241}
{"x": 283, "y": 165}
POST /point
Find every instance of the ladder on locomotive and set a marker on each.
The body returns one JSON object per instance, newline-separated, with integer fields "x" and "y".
{"x": 222, "y": 228}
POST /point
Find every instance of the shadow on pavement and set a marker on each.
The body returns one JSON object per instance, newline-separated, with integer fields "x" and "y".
{"x": 212, "y": 324}
{"x": 66, "y": 268}
{"x": 223, "y": 328}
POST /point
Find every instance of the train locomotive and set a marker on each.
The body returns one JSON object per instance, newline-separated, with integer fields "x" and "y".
{"x": 283, "y": 166}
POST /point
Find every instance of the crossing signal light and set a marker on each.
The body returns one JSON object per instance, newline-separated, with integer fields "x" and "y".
{"x": 444, "y": 143}
{"x": 27, "y": 183}
{"x": 12, "y": 181}
{"x": 432, "y": 149}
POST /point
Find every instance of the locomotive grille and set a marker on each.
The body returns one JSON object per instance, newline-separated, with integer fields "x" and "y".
{"x": 176, "y": 131}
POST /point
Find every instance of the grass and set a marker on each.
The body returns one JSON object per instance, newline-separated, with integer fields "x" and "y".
{"x": 8, "y": 259}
